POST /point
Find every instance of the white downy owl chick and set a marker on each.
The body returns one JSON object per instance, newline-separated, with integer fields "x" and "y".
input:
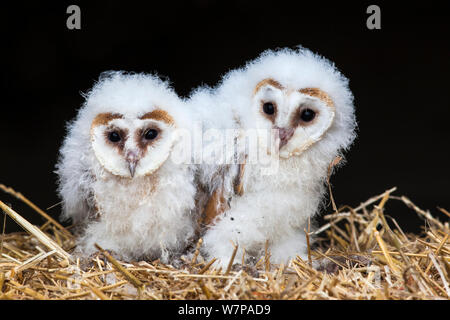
{"x": 116, "y": 174}
{"x": 302, "y": 102}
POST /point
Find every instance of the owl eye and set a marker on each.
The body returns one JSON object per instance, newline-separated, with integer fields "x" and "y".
{"x": 114, "y": 137}
{"x": 151, "y": 134}
{"x": 269, "y": 108}
{"x": 307, "y": 115}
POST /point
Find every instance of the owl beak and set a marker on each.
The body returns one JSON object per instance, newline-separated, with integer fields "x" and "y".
{"x": 284, "y": 134}
{"x": 132, "y": 168}
{"x": 132, "y": 160}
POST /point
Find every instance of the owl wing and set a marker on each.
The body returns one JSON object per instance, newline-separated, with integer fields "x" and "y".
{"x": 219, "y": 182}
{"x": 218, "y": 201}
{"x": 75, "y": 177}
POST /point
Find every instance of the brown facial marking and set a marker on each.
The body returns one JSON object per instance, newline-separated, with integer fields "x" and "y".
{"x": 120, "y": 145}
{"x": 142, "y": 142}
{"x": 268, "y": 81}
{"x": 159, "y": 115}
{"x": 104, "y": 119}
{"x": 319, "y": 94}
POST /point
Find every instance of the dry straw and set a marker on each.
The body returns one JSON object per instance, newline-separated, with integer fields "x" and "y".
{"x": 357, "y": 255}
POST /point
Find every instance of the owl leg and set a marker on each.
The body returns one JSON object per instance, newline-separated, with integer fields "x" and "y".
{"x": 97, "y": 233}
{"x": 287, "y": 248}
{"x": 219, "y": 244}
{"x": 235, "y": 228}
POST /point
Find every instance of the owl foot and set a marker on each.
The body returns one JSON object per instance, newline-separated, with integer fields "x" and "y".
{"x": 92, "y": 259}
{"x": 333, "y": 264}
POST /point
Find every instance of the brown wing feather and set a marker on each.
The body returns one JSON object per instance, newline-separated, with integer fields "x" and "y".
{"x": 217, "y": 203}
{"x": 215, "y": 206}
{"x": 239, "y": 180}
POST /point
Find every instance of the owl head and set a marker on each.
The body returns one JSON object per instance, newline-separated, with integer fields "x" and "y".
{"x": 297, "y": 95}
{"x": 299, "y": 116}
{"x": 129, "y": 146}
{"x": 131, "y": 122}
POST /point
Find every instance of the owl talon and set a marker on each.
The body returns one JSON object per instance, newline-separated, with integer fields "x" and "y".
{"x": 336, "y": 263}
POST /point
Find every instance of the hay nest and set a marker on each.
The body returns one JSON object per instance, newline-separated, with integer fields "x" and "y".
{"x": 357, "y": 255}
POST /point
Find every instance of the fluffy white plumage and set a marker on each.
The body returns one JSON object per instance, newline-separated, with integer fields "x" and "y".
{"x": 128, "y": 195}
{"x": 275, "y": 208}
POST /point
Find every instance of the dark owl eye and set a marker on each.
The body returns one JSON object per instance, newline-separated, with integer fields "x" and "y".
{"x": 151, "y": 134}
{"x": 269, "y": 108}
{"x": 114, "y": 137}
{"x": 307, "y": 115}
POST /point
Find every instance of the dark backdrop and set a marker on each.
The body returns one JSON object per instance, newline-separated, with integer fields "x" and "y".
{"x": 399, "y": 76}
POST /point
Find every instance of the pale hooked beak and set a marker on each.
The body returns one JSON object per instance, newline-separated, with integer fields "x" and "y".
{"x": 284, "y": 134}
{"x": 132, "y": 159}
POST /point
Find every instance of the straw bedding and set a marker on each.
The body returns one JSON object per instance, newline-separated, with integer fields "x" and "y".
{"x": 360, "y": 253}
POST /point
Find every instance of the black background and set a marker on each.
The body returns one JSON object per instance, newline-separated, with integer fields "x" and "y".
{"x": 399, "y": 76}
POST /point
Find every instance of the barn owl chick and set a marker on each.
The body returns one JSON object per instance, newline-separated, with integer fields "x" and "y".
{"x": 117, "y": 178}
{"x": 303, "y": 104}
